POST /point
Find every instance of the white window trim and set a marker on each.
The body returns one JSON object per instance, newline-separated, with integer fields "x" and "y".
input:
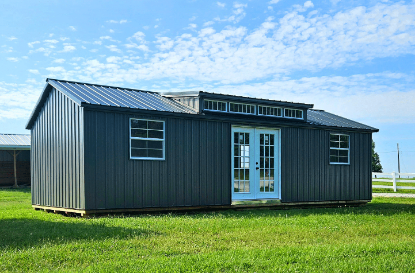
{"x": 154, "y": 139}
{"x": 206, "y": 100}
{"x": 343, "y": 149}
{"x": 274, "y": 107}
{"x": 302, "y": 113}
{"x": 255, "y": 109}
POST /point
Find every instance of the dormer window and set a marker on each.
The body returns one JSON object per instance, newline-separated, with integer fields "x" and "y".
{"x": 293, "y": 113}
{"x": 215, "y": 105}
{"x": 242, "y": 108}
{"x": 269, "y": 111}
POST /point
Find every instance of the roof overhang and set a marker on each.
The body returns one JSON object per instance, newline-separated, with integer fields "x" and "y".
{"x": 7, "y": 148}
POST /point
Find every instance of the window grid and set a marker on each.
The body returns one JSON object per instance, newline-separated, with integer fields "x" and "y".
{"x": 215, "y": 105}
{"x": 242, "y": 108}
{"x": 147, "y": 139}
{"x": 339, "y": 149}
{"x": 293, "y": 113}
{"x": 269, "y": 111}
{"x": 241, "y": 162}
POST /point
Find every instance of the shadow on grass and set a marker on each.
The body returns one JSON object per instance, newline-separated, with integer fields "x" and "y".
{"x": 378, "y": 208}
{"x": 25, "y": 233}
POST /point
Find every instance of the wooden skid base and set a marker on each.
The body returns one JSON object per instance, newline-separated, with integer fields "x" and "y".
{"x": 238, "y": 206}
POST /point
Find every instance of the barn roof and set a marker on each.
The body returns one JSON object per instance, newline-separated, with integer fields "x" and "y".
{"x": 14, "y": 142}
{"x": 320, "y": 117}
{"x": 118, "y": 97}
{"x": 103, "y": 95}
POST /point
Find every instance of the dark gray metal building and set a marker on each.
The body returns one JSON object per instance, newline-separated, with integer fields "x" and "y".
{"x": 97, "y": 148}
{"x": 14, "y": 159}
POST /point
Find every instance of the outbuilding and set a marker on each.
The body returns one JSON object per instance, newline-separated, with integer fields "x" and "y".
{"x": 99, "y": 148}
{"x": 14, "y": 159}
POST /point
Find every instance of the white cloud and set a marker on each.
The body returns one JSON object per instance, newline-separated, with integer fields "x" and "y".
{"x": 192, "y": 18}
{"x": 64, "y": 39}
{"x": 51, "y": 35}
{"x": 51, "y": 41}
{"x": 32, "y": 43}
{"x": 273, "y": 1}
{"x": 97, "y": 43}
{"x": 222, "y": 5}
{"x": 308, "y": 4}
{"x": 17, "y": 100}
{"x": 117, "y": 22}
{"x": 105, "y": 37}
{"x": 146, "y": 27}
{"x": 68, "y": 48}
{"x": 72, "y": 28}
{"x": 238, "y": 14}
{"x": 13, "y": 59}
{"x": 59, "y": 61}
{"x": 113, "y": 48}
{"x": 208, "y": 23}
{"x": 111, "y": 31}
{"x": 56, "y": 69}
{"x": 34, "y": 71}
{"x": 156, "y": 26}
{"x": 113, "y": 59}
{"x": 11, "y": 38}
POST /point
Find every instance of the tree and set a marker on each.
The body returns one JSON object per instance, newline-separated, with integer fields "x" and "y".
{"x": 376, "y": 166}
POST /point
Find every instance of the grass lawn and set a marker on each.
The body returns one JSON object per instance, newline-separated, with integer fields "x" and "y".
{"x": 379, "y": 237}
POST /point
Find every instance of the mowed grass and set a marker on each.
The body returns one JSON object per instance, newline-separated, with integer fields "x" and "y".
{"x": 378, "y": 237}
{"x": 406, "y": 184}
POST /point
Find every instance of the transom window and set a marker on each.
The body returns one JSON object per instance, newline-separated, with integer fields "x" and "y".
{"x": 215, "y": 105}
{"x": 339, "y": 149}
{"x": 269, "y": 111}
{"x": 241, "y": 108}
{"x": 293, "y": 113}
{"x": 146, "y": 139}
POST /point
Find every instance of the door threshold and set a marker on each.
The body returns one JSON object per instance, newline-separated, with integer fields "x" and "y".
{"x": 256, "y": 202}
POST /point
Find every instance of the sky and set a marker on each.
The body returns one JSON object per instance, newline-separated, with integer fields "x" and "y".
{"x": 352, "y": 58}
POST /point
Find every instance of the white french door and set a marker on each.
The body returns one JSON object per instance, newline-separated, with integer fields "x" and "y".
{"x": 255, "y": 163}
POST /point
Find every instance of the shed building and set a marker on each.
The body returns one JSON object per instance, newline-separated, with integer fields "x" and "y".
{"x": 100, "y": 148}
{"x": 14, "y": 159}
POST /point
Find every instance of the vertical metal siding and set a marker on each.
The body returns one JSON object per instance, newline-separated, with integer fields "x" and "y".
{"x": 57, "y": 154}
{"x": 306, "y": 174}
{"x": 194, "y": 173}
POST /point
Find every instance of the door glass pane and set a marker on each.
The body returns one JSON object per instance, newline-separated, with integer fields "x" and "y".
{"x": 266, "y": 183}
{"x": 242, "y": 153}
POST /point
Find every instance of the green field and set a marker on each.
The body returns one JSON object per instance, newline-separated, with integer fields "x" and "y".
{"x": 378, "y": 237}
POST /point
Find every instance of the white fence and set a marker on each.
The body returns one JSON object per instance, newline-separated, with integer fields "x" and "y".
{"x": 394, "y": 179}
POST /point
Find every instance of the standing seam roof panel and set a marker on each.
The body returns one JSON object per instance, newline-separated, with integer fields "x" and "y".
{"x": 103, "y": 94}
{"x": 135, "y": 98}
{"x": 103, "y": 100}
{"x": 122, "y": 96}
{"x": 61, "y": 86}
{"x": 14, "y": 140}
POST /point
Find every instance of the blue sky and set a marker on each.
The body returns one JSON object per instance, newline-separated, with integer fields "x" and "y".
{"x": 352, "y": 58}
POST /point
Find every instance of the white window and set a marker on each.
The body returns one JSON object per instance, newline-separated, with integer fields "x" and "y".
{"x": 269, "y": 111}
{"x": 293, "y": 113}
{"x": 242, "y": 108}
{"x": 146, "y": 139}
{"x": 339, "y": 149}
{"x": 214, "y": 105}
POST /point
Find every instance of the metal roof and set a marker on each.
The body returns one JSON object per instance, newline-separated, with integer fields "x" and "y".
{"x": 118, "y": 97}
{"x": 13, "y": 141}
{"x": 320, "y": 117}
